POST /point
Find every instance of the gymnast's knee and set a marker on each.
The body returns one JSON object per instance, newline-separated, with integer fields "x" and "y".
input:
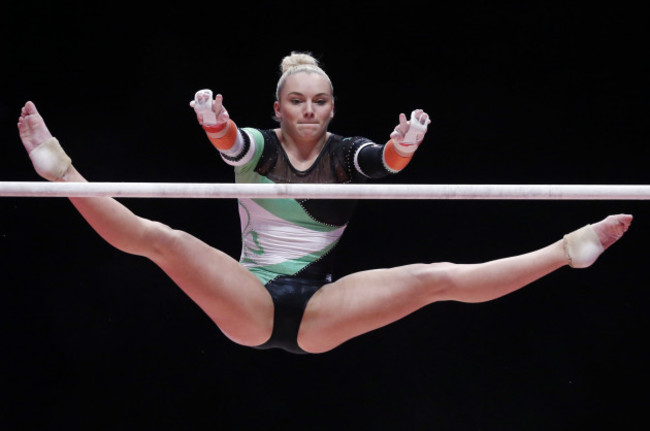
{"x": 157, "y": 239}
{"x": 436, "y": 278}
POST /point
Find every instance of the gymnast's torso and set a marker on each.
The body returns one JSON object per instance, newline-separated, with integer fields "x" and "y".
{"x": 298, "y": 236}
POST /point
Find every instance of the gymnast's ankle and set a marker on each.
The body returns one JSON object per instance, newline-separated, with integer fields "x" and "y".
{"x": 49, "y": 160}
{"x": 582, "y": 247}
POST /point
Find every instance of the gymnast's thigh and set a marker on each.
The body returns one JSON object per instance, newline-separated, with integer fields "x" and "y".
{"x": 367, "y": 300}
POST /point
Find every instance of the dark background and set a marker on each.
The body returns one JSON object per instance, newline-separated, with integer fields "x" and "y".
{"x": 95, "y": 339}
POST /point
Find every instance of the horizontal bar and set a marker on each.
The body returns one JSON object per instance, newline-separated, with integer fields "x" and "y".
{"x": 326, "y": 191}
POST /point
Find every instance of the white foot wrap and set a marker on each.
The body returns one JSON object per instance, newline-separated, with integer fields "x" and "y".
{"x": 49, "y": 160}
{"x": 582, "y": 247}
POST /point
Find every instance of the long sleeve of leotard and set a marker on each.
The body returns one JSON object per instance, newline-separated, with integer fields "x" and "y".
{"x": 376, "y": 161}
{"x": 235, "y": 146}
{"x": 238, "y": 147}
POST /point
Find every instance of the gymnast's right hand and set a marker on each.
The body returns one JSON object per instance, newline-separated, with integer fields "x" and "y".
{"x": 210, "y": 113}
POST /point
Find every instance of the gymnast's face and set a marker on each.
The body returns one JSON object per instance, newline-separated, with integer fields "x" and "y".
{"x": 306, "y": 106}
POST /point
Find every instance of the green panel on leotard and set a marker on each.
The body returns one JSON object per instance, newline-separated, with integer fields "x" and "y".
{"x": 278, "y": 207}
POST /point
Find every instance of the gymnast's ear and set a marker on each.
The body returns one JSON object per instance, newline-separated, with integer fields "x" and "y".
{"x": 276, "y": 110}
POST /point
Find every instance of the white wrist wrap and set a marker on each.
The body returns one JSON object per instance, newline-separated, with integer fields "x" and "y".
{"x": 412, "y": 138}
{"x": 582, "y": 247}
{"x": 49, "y": 160}
{"x": 204, "y": 108}
{"x": 415, "y": 133}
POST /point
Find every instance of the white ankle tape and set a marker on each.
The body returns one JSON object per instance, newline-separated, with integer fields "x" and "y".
{"x": 49, "y": 160}
{"x": 582, "y": 247}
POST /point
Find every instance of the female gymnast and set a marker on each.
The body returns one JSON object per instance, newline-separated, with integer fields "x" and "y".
{"x": 281, "y": 293}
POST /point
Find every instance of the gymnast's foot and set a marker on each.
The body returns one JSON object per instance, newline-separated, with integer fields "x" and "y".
{"x": 32, "y": 128}
{"x": 49, "y": 159}
{"x": 612, "y": 228}
{"x": 583, "y": 246}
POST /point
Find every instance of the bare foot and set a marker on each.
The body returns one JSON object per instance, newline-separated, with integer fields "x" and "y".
{"x": 612, "y": 228}
{"x": 32, "y": 128}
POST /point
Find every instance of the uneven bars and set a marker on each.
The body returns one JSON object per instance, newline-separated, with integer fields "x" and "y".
{"x": 326, "y": 191}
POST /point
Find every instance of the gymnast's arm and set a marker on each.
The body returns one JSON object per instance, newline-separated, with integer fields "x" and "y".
{"x": 398, "y": 151}
{"x": 235, "y": 147}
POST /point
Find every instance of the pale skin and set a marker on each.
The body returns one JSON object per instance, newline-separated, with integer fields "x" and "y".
{"x": 237, "y": 301}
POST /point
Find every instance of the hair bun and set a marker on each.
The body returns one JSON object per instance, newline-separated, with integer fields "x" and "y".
{"x": 299, "y": 62}
{"x": 297, "y": 59}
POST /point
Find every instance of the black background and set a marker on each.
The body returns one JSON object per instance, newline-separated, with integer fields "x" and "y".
{"x": 95, "y": 339}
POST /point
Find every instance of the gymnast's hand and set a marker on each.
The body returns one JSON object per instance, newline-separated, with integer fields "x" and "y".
{"x": 209, "y": 112}
{"x": 408, "y": 135}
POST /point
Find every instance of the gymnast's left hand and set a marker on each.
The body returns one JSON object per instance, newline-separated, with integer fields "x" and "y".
{"x": 408, "y": 135}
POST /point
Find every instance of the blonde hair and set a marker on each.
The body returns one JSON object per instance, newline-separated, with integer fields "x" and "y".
{"x": 299, "y": 62}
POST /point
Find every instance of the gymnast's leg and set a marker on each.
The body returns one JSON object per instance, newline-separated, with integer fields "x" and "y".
{"x": 368, "y": 300}
{"x": 233, "y": 298}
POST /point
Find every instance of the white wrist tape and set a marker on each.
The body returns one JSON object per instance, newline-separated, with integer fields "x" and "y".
{"x": 203, "y": 107}
{"x": 49, "y": 160}
{"x": 413, "y": 136}
{"x": 582, "y": 247}
{"x": 416, "y": 131}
